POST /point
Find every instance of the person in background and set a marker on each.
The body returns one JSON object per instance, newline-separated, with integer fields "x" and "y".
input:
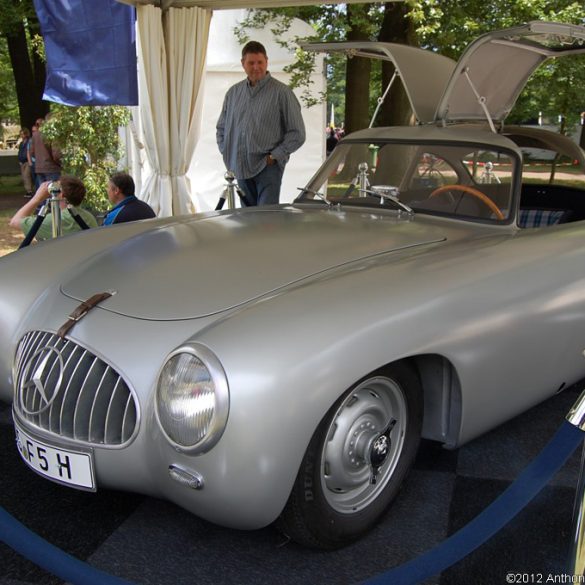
{"x": 25, "y": 170}
{"x": 331, "y": 139}
{"x": 47, "y": 158}
{"x": 259, "y": 127}
{"x": 127, "y": 207}
{"x": 30, "y": 156}
{"x": 72, "y": 192}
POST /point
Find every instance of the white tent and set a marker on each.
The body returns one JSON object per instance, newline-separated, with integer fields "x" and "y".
{"x": 206, "y": 172}
{"x": 223, "y": 70}
{"x": 173, "y": 37}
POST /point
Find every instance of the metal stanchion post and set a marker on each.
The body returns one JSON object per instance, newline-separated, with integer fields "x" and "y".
{"x": 576, "y": 417}
{"x": 363, "y": 182}
{"x": 230, "y": 189}
{"x": 54, "y": 201}
{"x": 229, "y": 193}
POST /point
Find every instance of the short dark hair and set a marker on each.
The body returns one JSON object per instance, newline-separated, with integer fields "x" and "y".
{"x": 124, "y": 182}
{"x": 253, "y": 47}
{"x": 72, "y": 189}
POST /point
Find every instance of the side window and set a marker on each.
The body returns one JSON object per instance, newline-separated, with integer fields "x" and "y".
{"x": 546, "y": 167}
{"x": 553, "y": 189}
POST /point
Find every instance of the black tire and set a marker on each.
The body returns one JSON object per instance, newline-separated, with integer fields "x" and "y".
{"x": 333, "y": 500}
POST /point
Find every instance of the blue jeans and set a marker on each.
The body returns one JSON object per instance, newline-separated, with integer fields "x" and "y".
{"x": 264, "y": 188}
{"x": 42, "y": 177}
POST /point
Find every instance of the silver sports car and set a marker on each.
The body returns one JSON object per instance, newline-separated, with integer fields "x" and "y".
{"x": 282, "y": 363}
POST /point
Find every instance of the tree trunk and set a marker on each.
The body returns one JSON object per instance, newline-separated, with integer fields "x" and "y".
{"x": 396, "y": 28}
{"x": 357, "y": 74}
{"x": 30, "y": 103}
{"x": 39, "y": 68}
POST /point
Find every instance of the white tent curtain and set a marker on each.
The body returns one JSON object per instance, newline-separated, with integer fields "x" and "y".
{"x": 171, "y": 47}
{"x": 187, "y": 35}
{"x": 154, "y": 108}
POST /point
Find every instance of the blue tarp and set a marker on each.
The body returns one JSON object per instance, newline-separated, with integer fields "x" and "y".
{"x": 91, "y": 52}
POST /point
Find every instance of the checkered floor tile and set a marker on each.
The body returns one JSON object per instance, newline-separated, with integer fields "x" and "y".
{"x": 148, "y": 541}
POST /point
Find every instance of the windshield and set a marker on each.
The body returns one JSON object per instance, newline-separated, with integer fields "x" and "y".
{"x": 445, "y": 179}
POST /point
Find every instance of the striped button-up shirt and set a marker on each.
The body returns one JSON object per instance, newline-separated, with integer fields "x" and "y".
{"x": 257, "y": 121}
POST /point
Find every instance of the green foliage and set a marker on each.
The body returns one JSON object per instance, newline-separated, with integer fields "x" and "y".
{"x": 330, "y": 23}
{"x": 446, "y": 26}
{"x": 38, "y": 46}
{"x": 18, "y": 26}
{"x": 556, "y": 88}
{"x": 86, "y": 136}
{"x": 89, "y": 142}
{"x": 8, "y": 101}
{"x": 12, "y": 13}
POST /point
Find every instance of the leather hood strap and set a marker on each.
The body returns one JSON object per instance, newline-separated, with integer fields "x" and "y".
{"x": 81, "y": 311}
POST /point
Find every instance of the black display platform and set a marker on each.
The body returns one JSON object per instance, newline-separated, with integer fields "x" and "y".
{"x": 149, "y": 541}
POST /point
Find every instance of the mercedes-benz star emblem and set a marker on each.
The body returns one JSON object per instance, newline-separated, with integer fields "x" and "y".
{"x": 33, "y": 388}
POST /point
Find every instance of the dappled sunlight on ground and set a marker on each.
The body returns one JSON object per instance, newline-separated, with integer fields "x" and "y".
{"x": 9, "y": 238}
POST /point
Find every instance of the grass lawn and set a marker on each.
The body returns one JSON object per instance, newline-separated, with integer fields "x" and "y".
{"x": 9, "y": 238}
{"x": 11, "y": 198}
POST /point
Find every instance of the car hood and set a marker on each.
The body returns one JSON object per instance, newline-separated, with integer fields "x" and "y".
{"x": 196, "y": 267}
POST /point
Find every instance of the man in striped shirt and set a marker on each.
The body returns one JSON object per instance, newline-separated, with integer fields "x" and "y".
{"x": 259, "y": 127}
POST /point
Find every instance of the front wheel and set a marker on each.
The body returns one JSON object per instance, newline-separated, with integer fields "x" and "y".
{"x": 356, "y": 460}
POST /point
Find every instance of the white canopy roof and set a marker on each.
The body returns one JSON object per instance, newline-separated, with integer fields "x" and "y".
{"x": 231, "y": 4}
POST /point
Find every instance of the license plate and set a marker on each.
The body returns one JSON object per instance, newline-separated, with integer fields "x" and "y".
{"x": 62, "y": 465}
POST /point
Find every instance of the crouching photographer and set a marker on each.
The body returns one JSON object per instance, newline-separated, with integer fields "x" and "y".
{"x": 69, "y": 192}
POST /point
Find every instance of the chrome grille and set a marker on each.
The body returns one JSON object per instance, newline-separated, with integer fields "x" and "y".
{"x": 66, "y": 390}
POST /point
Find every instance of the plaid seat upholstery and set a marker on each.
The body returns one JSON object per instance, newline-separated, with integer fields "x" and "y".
{"x": 531, "y": 218}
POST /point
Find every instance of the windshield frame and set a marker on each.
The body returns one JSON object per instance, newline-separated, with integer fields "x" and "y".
{"x": 319, "y": 178}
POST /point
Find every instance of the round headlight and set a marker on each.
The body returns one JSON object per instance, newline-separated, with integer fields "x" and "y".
{"x": 192, "y": 398}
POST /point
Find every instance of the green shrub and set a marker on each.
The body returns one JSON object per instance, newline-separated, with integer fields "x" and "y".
{"x": 90, "y": 145}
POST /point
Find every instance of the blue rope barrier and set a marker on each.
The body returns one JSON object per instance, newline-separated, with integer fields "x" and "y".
{"x": 460, "y": 544}
{"x": 49, "y": 557}
{"x": 493, "y": 518}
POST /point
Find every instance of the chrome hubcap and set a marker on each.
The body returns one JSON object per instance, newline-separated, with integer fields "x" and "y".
{"x": 363, "y": 444}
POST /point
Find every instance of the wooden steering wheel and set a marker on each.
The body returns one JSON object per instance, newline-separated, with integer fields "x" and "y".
{"x": 471, "y": 191}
